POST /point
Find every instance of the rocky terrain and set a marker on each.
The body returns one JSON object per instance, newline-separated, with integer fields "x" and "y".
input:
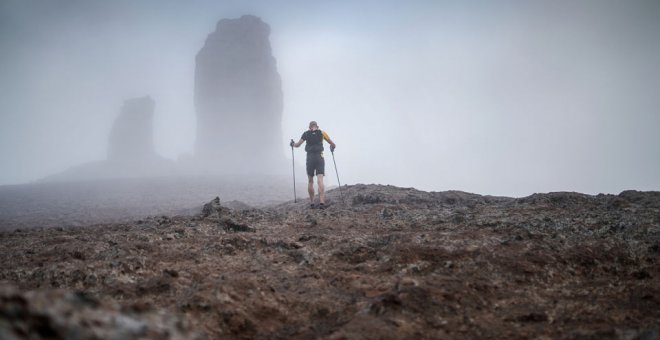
{"x": 64, "y": 204}
{"x": 379, "y": 262}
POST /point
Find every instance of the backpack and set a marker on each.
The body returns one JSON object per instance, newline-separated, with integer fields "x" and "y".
{"x": 314, "y": 141}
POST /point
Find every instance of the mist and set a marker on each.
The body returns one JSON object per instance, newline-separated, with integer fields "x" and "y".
{"x": 500, "y": 98}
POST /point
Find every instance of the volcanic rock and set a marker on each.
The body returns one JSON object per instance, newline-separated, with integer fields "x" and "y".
{"x": 238, "y": 98}
{"x": 440, "y": 265}
{"x": 213, "y": 208}
{"x": 58, "y": 314}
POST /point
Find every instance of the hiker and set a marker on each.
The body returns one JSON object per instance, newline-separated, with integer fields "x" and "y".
{"x": 315, "y": 162}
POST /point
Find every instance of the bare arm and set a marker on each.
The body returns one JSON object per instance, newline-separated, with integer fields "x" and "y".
{"x": 332, "y": 144}
{"x": 297, "y": 144}
{"x": 327, "y": 138}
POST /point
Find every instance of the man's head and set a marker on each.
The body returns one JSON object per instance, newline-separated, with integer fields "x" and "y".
{"x": 313, "y": 125}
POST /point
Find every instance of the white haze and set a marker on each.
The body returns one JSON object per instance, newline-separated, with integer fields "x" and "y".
{"x": 493, "y": 97}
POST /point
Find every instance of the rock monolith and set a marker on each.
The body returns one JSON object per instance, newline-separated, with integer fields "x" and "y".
{"x": 131, "y": 151}
{"x": 238, "y": 99}
{"x": 131, "y": 137}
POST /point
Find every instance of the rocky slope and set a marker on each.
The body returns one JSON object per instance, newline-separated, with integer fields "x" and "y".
{"x": 379, "y": 262}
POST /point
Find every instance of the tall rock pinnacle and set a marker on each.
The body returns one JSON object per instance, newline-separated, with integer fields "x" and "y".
{"x": 131, "y": 151}
{"x": 238, "y": 98}
{"x": 131, "y": 137}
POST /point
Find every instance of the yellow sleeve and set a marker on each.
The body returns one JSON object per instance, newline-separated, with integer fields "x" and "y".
{"x": 325, "y": 136}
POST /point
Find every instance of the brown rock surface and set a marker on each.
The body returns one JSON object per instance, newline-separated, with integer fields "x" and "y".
{"x": 60, "y": 314}
{"x": 387, "y": 263}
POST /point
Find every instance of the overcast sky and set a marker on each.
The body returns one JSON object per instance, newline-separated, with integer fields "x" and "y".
{"x": 492, "y": 97}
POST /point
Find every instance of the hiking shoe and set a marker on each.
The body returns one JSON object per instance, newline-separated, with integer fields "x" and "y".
{"x": 321, "y": 206}
{"x": 312, "y": 206}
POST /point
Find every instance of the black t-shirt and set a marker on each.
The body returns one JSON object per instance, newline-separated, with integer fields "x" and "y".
{"x": 314, "y": 140}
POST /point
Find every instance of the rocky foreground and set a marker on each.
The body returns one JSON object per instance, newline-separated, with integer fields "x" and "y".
{"x": 385, "y": 262}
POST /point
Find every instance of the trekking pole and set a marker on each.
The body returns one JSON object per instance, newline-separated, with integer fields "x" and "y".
{"x": 333, "y": 161}
{"x": 293, "y": 161}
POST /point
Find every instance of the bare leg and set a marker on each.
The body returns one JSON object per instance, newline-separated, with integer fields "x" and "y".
{"x": 321, "y": 189}
{"x": 310, "y": 188}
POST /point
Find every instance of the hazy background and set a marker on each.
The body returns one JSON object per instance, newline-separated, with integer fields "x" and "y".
{"x": 493, "y": 97}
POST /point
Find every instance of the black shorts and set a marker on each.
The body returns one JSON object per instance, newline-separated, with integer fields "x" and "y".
{"x": 315, "y": 162}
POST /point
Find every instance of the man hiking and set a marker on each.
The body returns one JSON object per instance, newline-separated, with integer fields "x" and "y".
{"x": 315, "y": 162}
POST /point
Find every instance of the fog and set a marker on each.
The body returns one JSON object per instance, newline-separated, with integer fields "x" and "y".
{"x": 501, "y": 98}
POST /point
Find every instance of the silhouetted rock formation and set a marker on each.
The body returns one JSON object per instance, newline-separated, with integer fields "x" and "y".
{"x": 131, "y": 138}
{"x": 238, "y": 98}
{"x": 131, "y": 150}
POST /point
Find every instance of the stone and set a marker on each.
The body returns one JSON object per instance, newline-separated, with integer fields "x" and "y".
{"x": 212, "y": 208}
{"x": 233, "y": 226}
{"x": 238, "y": 99}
